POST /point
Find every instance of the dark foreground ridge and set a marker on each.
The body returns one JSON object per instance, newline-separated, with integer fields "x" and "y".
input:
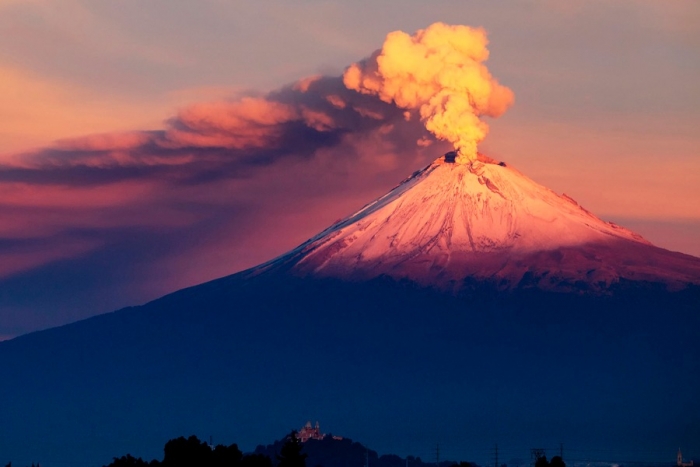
{"x": 328, "y": 451}
{"x": 237, "y": 357}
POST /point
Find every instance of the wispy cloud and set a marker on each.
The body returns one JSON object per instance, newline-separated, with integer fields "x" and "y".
{"x": 219, "y": 174}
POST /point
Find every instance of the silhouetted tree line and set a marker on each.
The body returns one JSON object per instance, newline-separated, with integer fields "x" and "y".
{"x": 191, "y": 452}
{"x": 290, "y": 455}
{"x": 289, "y": 452}
{"x": 344, "y": 452}
{"x": 556, "y": 461}
{"x": 464, "y": 464}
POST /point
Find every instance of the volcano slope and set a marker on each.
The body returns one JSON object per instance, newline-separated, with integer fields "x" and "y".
{"x": 467, "y": 306}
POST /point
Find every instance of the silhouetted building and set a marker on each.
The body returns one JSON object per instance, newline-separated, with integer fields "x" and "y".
{"x": 679, "y": 460}
{"x": 309, "y": 432}
{"x": 450, "y": 157}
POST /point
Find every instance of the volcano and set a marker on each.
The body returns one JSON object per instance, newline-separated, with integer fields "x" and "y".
{"x": 467, "y": 306}
{"x": 484, "y": 221}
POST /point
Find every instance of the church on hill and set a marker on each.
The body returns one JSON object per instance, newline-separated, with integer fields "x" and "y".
{"x": 308, "y": 432}
{"x": 679, "y": 459}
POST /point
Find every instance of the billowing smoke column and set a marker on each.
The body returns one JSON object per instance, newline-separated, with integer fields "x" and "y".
{"x": 440, "y": 72}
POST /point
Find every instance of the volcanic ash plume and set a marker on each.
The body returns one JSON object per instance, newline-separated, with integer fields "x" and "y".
{"x": 440, "y": 72}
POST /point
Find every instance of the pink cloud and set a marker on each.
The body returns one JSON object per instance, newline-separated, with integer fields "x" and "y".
{"x": 104, "y": 142}
{"x": 210, "y": 174}
{"x": 250, "y": 122}
{"x": 336, "y": 101}
{"x": 304, "y": 84}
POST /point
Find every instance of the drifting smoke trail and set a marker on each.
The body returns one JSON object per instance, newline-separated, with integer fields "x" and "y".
{"x": 438, "y": 71}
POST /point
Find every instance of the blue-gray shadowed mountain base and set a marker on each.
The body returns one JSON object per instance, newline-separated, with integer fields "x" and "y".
{"x": 237, "y": 356}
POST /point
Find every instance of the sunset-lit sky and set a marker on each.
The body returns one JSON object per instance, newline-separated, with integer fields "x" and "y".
{"x": 607, "y": 110}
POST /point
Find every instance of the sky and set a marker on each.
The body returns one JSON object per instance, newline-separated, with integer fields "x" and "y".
{"x": 150, "y": 146}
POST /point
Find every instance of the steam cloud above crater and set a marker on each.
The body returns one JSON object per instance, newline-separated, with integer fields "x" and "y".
{"x": 440, "y": 72}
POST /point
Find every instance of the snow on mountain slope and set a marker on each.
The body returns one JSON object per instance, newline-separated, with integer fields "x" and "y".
{"x": 484, "y": 221}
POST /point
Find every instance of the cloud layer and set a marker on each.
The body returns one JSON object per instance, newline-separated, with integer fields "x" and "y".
{"x": 151, "y": 211}
{"x": 296, "y": 121}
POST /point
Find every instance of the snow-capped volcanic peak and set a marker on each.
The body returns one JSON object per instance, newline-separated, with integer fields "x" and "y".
{"x": 482, "y": 220}
{"x": 478, "y": 207}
